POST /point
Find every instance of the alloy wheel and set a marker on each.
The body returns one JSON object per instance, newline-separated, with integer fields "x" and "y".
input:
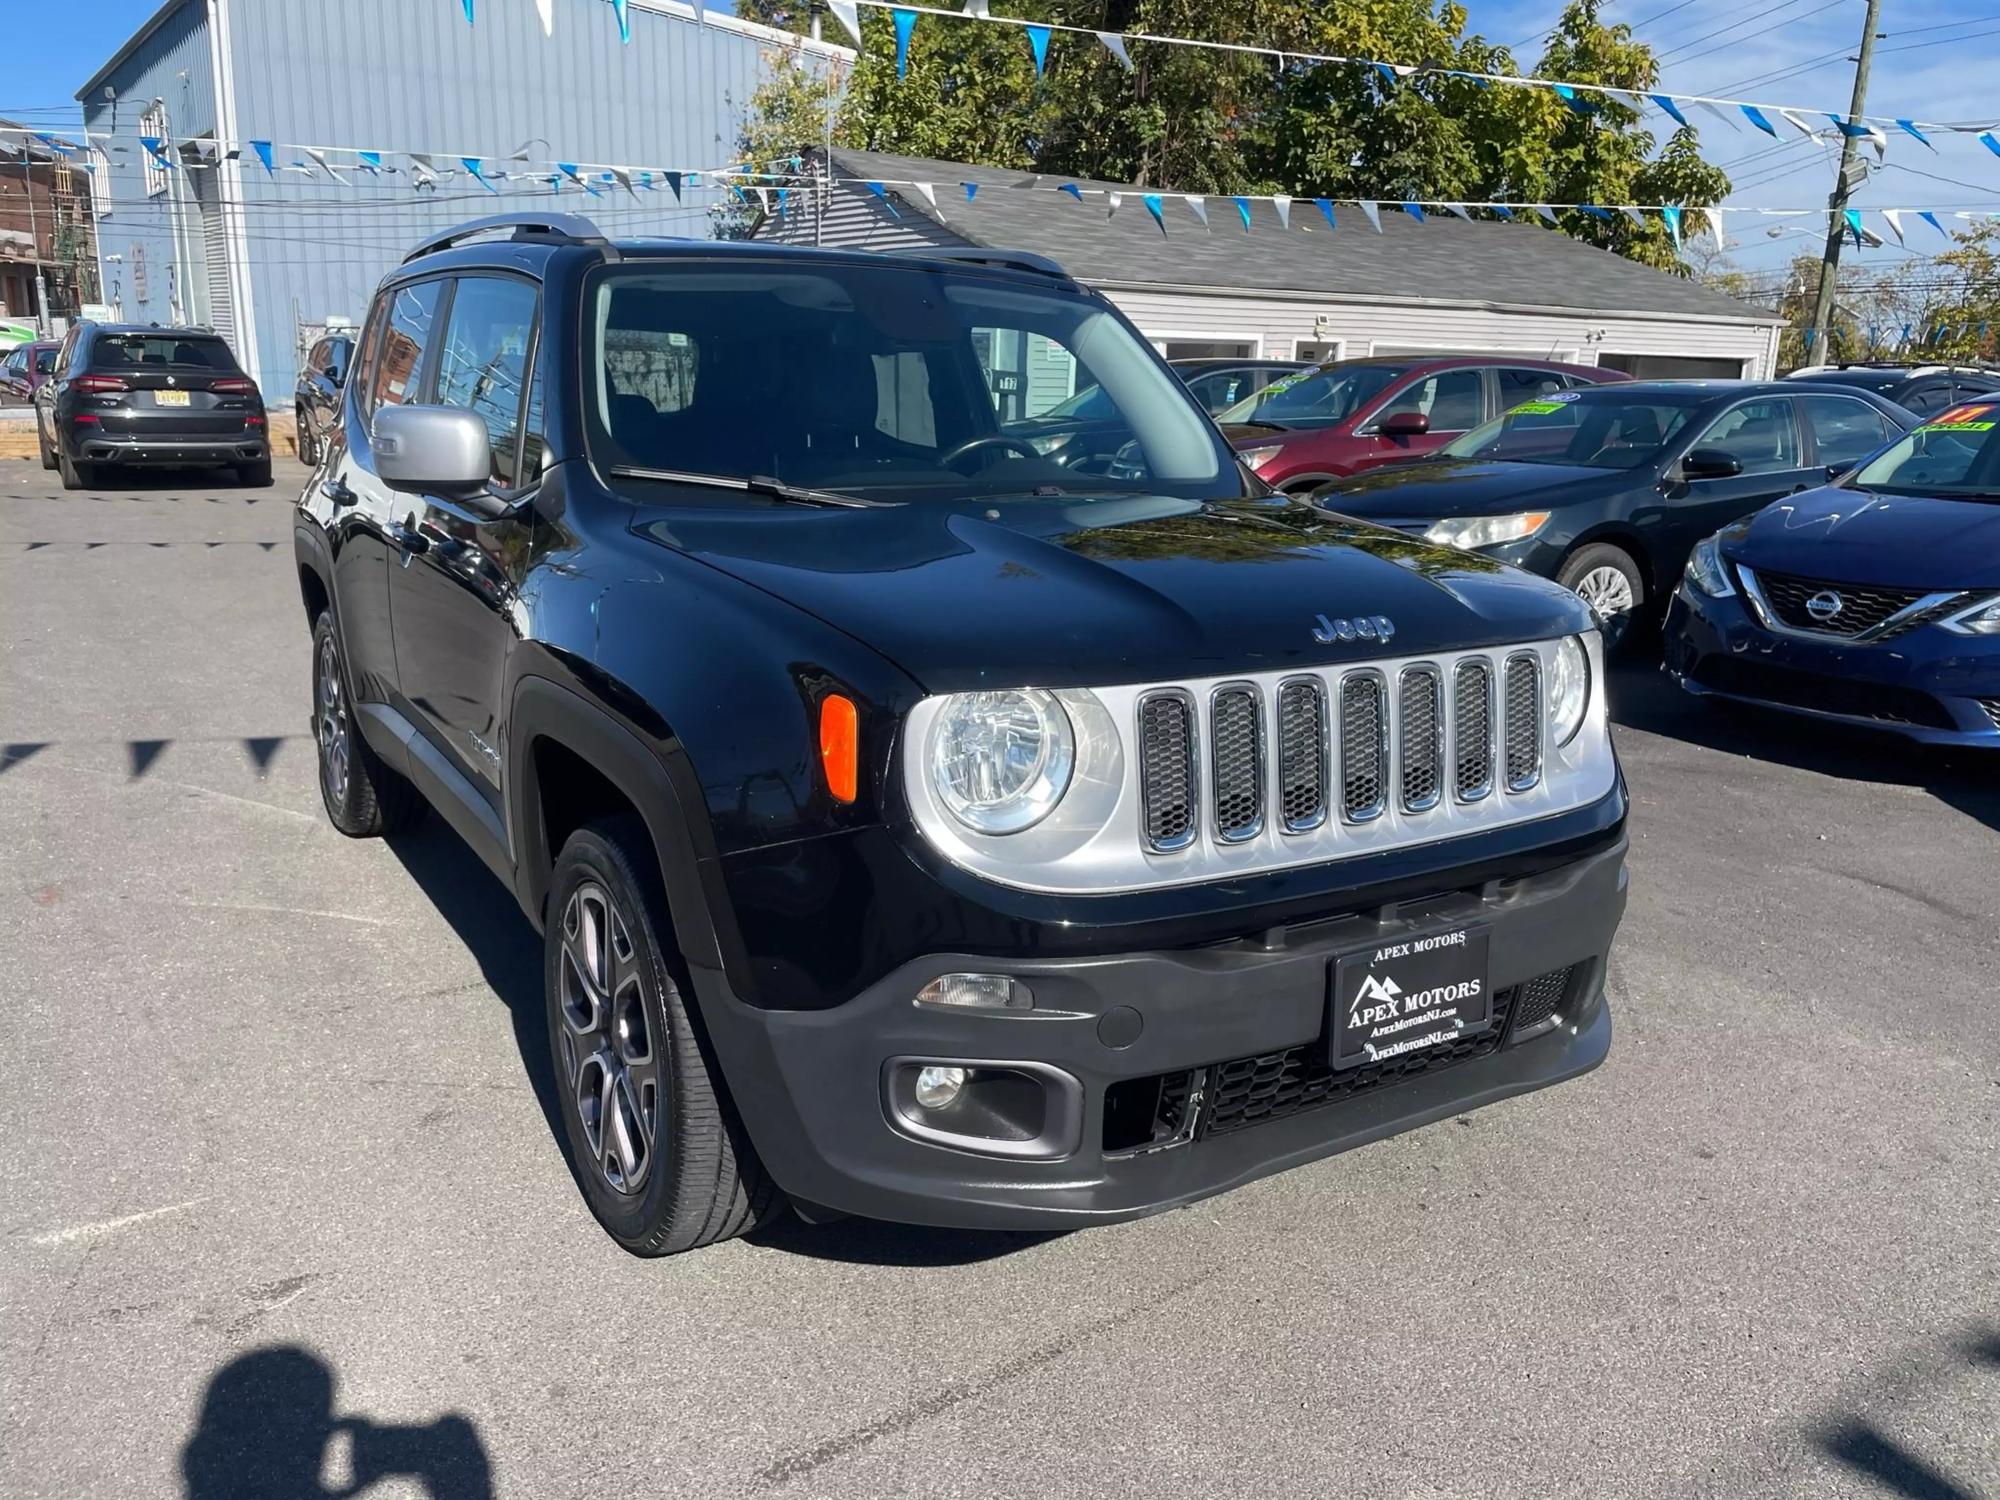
{"x": 610, "y": 1060}
{"x": 332, "y": 728}
{"x": 1608, "y": 592}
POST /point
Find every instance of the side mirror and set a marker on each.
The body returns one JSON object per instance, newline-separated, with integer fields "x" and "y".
{"x": 1710, "y": 463}
{"x": 437, "y": 450}
{"x": 1404, "y": 424}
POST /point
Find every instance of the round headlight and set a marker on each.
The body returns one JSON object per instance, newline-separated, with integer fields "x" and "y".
{"x": 1569, "y": 689}
{"x": 1000, "y": 762}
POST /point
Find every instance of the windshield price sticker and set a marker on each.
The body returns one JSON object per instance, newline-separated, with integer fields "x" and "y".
{"x": 1405, "y": 996}
{"x": 1956, "y": 427}
{"x": 1535, "y": 408}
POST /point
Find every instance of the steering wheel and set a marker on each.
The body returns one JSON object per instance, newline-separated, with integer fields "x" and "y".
{"x": 995, "y": 440}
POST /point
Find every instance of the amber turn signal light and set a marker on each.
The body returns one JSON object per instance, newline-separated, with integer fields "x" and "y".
{"x": 840, "y": 745}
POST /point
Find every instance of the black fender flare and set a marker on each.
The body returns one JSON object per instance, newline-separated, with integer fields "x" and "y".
{"x": 697, "y": 900}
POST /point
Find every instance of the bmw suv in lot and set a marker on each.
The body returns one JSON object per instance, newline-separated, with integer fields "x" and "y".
{"x": 161, "y": 397}
{"x": 1874, "y": 600}
{"x": 918, "y": 828}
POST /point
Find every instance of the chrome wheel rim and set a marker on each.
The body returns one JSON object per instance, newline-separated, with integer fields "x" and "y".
{"x": 1607, "y": 591}
{"x": 331, "y": 727}
{"x": 610, "y": 1058}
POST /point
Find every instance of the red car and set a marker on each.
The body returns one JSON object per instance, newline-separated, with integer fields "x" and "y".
{"x": 22, "y": 369}
{"x": 1354, "y": 414}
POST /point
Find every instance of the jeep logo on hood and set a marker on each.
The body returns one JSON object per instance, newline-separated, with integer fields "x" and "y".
{"x": 1362, "y": 628}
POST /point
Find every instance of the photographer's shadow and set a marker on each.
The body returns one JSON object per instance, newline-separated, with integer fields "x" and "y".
{"x": 268, "y": 1430}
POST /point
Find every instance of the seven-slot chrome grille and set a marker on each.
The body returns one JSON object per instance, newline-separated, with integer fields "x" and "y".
{"x": 1388, "y": 739}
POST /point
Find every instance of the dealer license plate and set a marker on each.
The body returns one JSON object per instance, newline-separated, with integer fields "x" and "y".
{"x": 1409, "y": 995}
{"x": 170, "y": 398}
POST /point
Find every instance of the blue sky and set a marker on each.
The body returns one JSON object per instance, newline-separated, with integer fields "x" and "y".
{"x": 1934, "y": 63}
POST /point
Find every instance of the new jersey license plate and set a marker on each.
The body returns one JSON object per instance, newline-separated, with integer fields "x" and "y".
{"x": 170, "y": 398}
{"x": 1409, "y": 995}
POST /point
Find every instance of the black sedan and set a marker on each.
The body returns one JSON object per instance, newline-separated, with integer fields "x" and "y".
{"x": 1608, "y": 488}
{"x": 1874, "y": 600}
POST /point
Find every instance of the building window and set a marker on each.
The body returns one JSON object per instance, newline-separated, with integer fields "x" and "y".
{"x": 1207, "y": 349}
{"x": 153, "y": 123}
{"x": 1315, "y": 351}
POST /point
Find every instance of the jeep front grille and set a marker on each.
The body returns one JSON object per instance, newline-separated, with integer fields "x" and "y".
{"x": 1218, "y": 778}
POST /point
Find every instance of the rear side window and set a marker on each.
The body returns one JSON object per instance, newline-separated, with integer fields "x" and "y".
{"x": 1451, "y": 399}
{"x": 399, "y": 361}
{"x": 1517, "y": 386}
{"x": 483, "y": 363}
{"x": 1845, "y": 431}
{"x": 126, "y": 351}
{"x": 1760, "y": 435}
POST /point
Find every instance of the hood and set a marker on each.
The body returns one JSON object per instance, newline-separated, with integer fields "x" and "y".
{"x": 1427, "y": 489}
{"x": 1070, "y": 592}
{"x": 1850, "y": 536}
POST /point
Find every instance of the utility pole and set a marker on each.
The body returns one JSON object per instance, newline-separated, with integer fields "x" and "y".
{"x": 35, "y": 238}
{"x": 1836, "y": 219}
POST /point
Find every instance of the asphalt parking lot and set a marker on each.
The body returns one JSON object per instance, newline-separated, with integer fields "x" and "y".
{"x": 283, "y": 1207}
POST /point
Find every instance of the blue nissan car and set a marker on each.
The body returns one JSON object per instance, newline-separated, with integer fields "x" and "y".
{"x": 1872, "y": 600}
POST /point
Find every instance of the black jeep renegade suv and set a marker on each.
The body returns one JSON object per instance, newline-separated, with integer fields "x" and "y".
{"x": 924, "y": 824}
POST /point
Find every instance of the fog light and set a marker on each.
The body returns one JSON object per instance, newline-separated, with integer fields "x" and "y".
{"x": 977, "y": 992}
{"x": 938, "y": 1088}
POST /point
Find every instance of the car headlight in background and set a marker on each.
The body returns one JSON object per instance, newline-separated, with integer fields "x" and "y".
{"x": 1001, "y": 761}
{"x": 1256, "y": 458}
{"x": 1982, "y": 619}
{"x": 1486, "y": 531}
{"x": 1569, "y": 690}
{"x": 1050, "y": 442}
{"x": 1705, "y": 572}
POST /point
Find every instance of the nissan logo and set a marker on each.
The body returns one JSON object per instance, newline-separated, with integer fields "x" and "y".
{"x": 1825, "y": 605}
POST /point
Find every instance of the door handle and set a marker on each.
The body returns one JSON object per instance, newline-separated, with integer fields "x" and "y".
{"x": 336, "y": 491}
{"x": 407, "y": 540}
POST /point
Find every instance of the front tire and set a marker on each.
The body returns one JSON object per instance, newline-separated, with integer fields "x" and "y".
{"x": 363, "y": 797}
{"x": 653, "y": 1137}
{"x": 1609, "y": 581}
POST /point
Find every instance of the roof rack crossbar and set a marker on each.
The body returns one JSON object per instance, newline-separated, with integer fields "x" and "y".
{"x": 979, "y": 255}
{"x": 570, "y": 228}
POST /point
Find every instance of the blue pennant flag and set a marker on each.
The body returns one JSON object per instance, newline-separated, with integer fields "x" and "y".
{"x": 1852, "y": 132}
{"x": 156, "y": 150}
{"x": 1756, "y": 117}
{"x": 472, "y": 165}
{"x": 1990, "y": 142}
{"x": 1504, "y": 211}
{"x": 1326, "y": 207}
{"x": 1152, "y": 202}
{"x": 1809, "y": 338}
{"x": 646, "y": 181}
{"x": 674, "y": 182}
{"x": 568, "y": 169}
{"x": 1665, "y": 101}
{"x": 1672, "y": 214}
{"x": 883, "y": 193}
{"x": 1576, "y": 102}
{"x": 1853, "y": 217}
{"x": 906, "y": 22}
{"x": 263, "y": 150}
{"x": 1594, "y": 211}
{"x": 971, "y": 190}
{"x": 621, "y": 8}
{"x": 783, "y": 194}
{"x": 55, "y": 143}
{"x": 468, "y": 12}
{"x": 1909, "y": 127}
{"x": 1073, "y": 190}
{"x": 1931, "y": 219}
{"x": 1415, "y": 211}
{"x": 1243, "y": 209}
{"x": 1906, "y": 333}
{"x": 1388, "y": 73}
{"x": 1038, "y": 39}
{"x": 371, "y": 162}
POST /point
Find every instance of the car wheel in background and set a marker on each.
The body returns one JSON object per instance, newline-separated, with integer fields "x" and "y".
{"x": 75, "y": 476}
{"x": 255, "y": 476}
{"x": 1608, "y": 580}
{"x": 42, "y": 443}
{"x": 363, "y": 797}
{"x": 653, "y": 1138}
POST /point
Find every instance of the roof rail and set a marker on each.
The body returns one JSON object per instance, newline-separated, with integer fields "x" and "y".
{"x": 978, "y": 255}
{"x": 569, "y": 228}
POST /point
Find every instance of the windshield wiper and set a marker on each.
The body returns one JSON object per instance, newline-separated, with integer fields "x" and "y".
{"x": 755, "y": 484}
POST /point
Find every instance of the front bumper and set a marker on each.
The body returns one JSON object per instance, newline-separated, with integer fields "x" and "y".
{"x": 1239, "y": 1017}
{"x": 1926, "y": 685}
{"x": 166, "y": 449}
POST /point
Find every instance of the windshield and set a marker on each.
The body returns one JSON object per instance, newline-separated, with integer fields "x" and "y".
{"x": 1957, "y": 454}
{"x": 1604, "y": 427}
{"x": 1088, "y": 405}
{"x": 134, "y": 351}
{"x": 1313, "y": 398}
{"x": 894, "y": 382}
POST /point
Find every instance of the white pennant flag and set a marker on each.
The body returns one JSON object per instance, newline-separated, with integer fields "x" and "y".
{"x": 422, "y": 168}
{"x": 978, "y": 8}
{"x": 1198, "y": 206}
{"x": 1283, "y": 205}
{"x": 1548, "y": 213}
{"x": 319, "y": 160}
{"x": 1112, "y": 202}
{"x": 547, "y": 10}
{"x": 1113, "y": 43}
{"x": 928, "y": 193}
{"x": 623, "y": 177}
{"x": 1633, "y": 214}
{"x": 1804, "y": 129}
{"x": 1459, "y": 209}
{"x": 1374, "y": 213}
{"x": 1715, "y": 227}
{"x": 1895, "y": 218}
{"x": 1719, "y": 113}
{"x": 1879, "y": 139}
{"x": 848, "y": 13}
